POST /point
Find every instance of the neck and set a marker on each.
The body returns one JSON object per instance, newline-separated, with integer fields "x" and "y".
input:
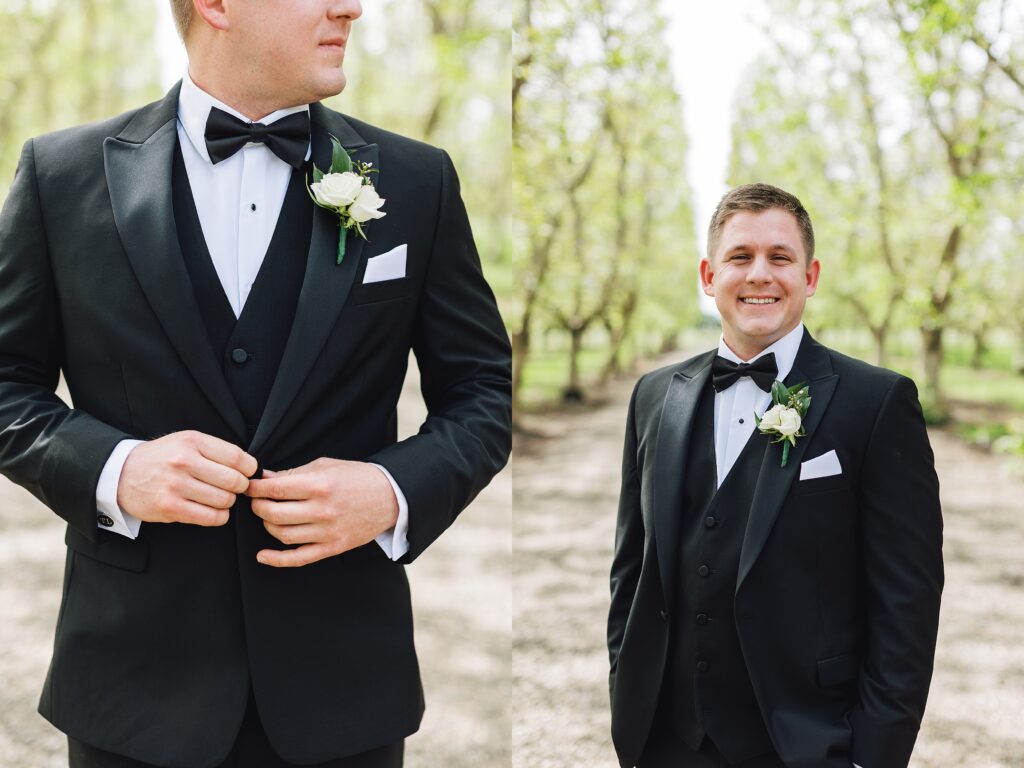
{"x": 228, "y": 85}
{"x": 744, "y": 351}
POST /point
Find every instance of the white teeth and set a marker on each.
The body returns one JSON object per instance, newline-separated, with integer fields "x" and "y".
{"x": 758, "y": 301}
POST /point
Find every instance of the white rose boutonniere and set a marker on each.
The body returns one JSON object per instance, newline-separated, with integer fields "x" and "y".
{"x": 785, "y": 419}
{"x": 346, "y": 189}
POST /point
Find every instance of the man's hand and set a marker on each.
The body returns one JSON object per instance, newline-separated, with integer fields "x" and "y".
{"x": 328, "y": 506}
{"x": 184, "y": 477}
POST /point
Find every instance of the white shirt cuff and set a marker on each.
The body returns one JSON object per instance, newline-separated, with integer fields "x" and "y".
{"x": 395, "y": 541}
{"x": 107, "y": 510}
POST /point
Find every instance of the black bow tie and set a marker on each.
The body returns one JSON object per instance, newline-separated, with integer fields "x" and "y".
{"x": 725, "y": 373}
{"x": 288, "y": 138}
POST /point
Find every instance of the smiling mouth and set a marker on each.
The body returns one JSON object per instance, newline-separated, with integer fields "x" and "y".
{"x": 759, "y": 301}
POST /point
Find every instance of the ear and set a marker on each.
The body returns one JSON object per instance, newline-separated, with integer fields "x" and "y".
{"x": 707, "y": 277}
{"x": 213, "y": 12}
{"x": 813, "y": 273}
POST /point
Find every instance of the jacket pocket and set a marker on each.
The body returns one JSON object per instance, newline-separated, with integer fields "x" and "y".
{"x": 820, "y": 484}
{"x": 110, "y": 548}
{"x": 838, "y": 669}
{"x": 384, "y": 290}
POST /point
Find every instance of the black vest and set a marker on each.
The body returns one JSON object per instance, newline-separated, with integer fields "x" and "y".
{"x": 249, "y": 347}
{"x": 708, "y": 690}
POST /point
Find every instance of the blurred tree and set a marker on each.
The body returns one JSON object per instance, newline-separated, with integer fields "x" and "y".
{"x": 603, "y": 213}
{"x": 960, "y": 19}
{"x": 62, "y": 64}
{"x": 957, "y": 93}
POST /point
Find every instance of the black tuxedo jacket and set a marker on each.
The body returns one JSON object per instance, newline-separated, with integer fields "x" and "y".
{"x": 837, "y": 596}
{"x": 159, "y": 639}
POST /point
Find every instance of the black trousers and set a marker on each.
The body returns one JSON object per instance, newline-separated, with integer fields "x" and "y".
{"x": 666, "y": 750}
{"x": 251, "y": 750}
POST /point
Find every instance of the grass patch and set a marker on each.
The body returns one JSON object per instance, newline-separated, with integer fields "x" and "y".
{"x": 547, "y": 373}
{"x": 991, "y": 387}
{"x": 994, "y": 387}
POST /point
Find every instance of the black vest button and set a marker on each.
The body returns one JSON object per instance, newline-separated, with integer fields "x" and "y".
{"x": 105, "y": 521}
{"x": 239, "y": 355}
{"x": 703, "y": 571}
{"x": 710, "y": 522}
{"x": 664, "y": 615}
{"x": 702, "y": 619}
{"x": 703, "y": 666}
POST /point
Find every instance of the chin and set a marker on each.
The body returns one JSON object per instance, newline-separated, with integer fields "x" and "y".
{"x": 325, "y": 87}
{"x": 762, "y": 336}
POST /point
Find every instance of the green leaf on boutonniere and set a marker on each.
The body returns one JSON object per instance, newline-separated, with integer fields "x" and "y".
{"x": 318, "y": 175}
{"x": 779, "y": 393}
{"x": 340, "y": 161}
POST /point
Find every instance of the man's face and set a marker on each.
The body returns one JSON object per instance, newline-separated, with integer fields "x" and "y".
{"x": 294, "y": 49}
{"x": 759, "y": 278}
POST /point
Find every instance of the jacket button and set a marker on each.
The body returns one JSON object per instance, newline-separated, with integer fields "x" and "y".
{"x": 702, "y": 619}
{"x": 703, "y": 666}
{"x": 664, "y": 615}
{"x": 703, "y": 571}
{"x": 105, "y": 520}
{"x": 239, "y": 355}
{"x": 710, "y": 522}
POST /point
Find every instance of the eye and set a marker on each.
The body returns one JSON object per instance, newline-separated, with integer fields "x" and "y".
{"x": 740, "y": 257}
{"x": 781, "y": 258}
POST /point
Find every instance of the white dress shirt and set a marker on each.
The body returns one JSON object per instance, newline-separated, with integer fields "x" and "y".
{"x": 238, "y": 201}
{"x": 735, "y": 406}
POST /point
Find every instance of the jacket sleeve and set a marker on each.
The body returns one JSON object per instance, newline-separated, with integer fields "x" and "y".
{"x": 54, "y": 451}
{"x": 901, "y": 533}
{"x": 465, "y": 365}
{"x": 629, "y": 544}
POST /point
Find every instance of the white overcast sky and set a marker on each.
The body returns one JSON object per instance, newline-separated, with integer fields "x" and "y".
{"x": 711, "y": 45}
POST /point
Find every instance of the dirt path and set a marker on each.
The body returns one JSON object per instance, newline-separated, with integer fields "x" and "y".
{"x": 565, "y": 490}
{"x": 461, "y": 596}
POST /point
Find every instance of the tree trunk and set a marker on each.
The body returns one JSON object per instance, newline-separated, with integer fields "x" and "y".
{"x": 932, "y": 339}
{"x": 879, "y": 333}
{"x": 617, "y": 338}
{"x": 574, "y": 391}
{"x": 520, "y": 351}
{"x": 980, "y": 348}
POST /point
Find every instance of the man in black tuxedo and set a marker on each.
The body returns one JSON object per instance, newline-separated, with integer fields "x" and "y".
{"x": 171, "y": 263}
{"x": 765, "y": 615}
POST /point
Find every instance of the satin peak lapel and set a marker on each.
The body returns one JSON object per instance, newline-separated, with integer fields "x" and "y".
{"x": 138, "y": 171}
{"x": 326, "y": 284}
{"x": 774, "y": 481}
{"x": 670, "y": 458}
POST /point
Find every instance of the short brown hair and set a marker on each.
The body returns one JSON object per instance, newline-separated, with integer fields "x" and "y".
{"x": 182, "y": 10}
{"x": 757, "y": 198}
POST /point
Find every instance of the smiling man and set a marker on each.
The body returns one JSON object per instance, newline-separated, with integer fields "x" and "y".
{"x": 171, "y": 264}
{"x": 772, "y": 608}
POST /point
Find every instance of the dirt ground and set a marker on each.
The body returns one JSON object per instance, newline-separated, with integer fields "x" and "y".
{"x": 565, "y": 481}
{"x": 510, "y": 610}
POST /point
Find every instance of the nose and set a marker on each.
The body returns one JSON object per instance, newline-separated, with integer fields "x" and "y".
{"x": 346, "y": 9}
{"x": 759, "y": 271}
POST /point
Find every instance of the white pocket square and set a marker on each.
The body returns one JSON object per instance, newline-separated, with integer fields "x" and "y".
{"x": 386, "y": 266}
{"x": 825, "y": 465}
